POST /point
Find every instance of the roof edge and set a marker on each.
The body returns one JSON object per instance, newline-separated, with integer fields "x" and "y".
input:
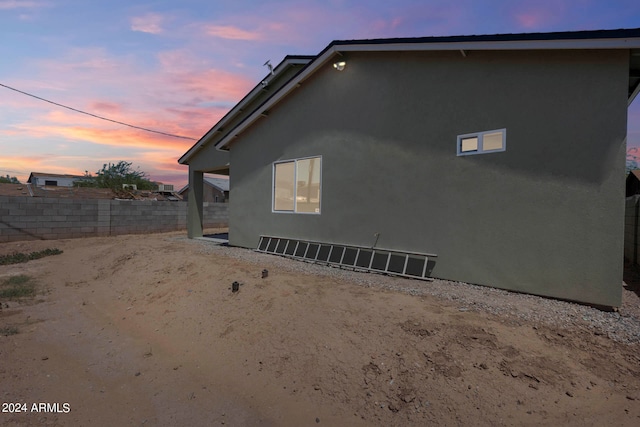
{"x": 288, "y": 61}
{"x": 592, "y": 39}
{"x": 512, "y": 37}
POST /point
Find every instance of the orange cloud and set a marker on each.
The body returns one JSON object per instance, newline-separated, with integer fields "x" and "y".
{"x": 24, "y": 165}
{"x": 150, "y": 23}
{"x": 185, "y": 95}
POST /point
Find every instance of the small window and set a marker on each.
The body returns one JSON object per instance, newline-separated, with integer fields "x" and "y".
{"x": 492, "y": 141}
{"x": 296, "y": 185}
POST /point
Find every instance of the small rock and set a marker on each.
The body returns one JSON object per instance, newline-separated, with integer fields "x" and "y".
{"x": 137, "y": 374}
{"x": 568, "y": 393}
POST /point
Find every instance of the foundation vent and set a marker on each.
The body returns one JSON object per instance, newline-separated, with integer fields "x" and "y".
{"x": 361, "y": 258}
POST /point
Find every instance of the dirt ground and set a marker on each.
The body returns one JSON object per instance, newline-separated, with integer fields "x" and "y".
{"x": 146, "y": 331}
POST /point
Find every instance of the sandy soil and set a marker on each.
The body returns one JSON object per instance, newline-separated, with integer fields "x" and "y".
{"x": 145, "y": 331}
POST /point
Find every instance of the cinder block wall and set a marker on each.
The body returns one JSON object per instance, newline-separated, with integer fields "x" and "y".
{"x": 30, "y": 218}
{"x": 631, "y": 226}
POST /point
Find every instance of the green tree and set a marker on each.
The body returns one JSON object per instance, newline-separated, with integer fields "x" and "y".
{"x": 9, "y": 180}
{"x": 115, "y": 175}
{"x": 87, "y": 180}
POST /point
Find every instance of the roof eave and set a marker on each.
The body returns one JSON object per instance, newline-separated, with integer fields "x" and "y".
{"x": 558, "y": 44}
{"x": 339, "y": 47}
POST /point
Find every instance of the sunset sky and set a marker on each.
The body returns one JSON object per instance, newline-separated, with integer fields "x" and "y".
{"x": 179, "y": 66}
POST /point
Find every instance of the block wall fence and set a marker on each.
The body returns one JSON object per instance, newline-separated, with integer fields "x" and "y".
{"x": 36, "y": 218}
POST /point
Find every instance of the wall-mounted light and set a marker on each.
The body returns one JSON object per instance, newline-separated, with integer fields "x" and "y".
{"x": 339, "y": 65}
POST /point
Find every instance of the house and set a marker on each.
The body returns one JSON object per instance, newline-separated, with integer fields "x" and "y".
{"x": 41, "y": 179}
{"x": 504, "y": 155}
{"x": 215, "y": 190}
{"x": 633, "y": 183}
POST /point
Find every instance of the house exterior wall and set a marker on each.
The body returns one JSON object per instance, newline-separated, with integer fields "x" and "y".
{"x": 543, "y": 217}
{"x": 60, "y": 181}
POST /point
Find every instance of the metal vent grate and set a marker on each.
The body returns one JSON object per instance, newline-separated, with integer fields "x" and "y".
{"x": 389, "y": 261}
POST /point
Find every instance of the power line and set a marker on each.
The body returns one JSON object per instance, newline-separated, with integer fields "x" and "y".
{"x": 96, "y": 116}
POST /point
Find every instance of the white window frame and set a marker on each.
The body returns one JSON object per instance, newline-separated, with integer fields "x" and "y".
{"x": 480, "y": 136}
{"x": 295, "y": 187}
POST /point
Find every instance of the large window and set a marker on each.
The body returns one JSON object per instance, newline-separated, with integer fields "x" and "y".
{"x": 482, "y": 142}
{"x": 296, "y": 185}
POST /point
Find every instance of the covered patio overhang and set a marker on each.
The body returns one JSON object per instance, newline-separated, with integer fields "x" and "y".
{"x": 211, "y": 161}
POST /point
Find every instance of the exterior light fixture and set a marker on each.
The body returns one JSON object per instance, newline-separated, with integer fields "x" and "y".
{"x": 339, "y": 65}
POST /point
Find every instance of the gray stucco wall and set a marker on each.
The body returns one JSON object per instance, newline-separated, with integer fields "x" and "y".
{"x": 543, "y": 217}
{"x": 36, "y": 218}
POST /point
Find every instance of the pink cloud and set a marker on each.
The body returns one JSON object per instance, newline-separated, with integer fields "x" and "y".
{"x": 107, "y": 107}
{"x": 231, "y": 32}
{"x": 20, "y": 4}
{"x": 150, "y": 23}
{"x": 530, "y": 20}
{"x": 275, "y": 25}
{"x": 185, "y": 95}
{"x": 187, "y": 79}
{"x": 540, "y": 14}
{"x": 210, "y": 84}
{"x": 84, "y": 63}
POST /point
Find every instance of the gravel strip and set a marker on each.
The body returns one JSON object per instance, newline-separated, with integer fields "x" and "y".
{"x": 622, "y": 326}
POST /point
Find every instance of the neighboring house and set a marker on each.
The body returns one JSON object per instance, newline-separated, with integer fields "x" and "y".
{"x": 85, "y": 193}
{"x": 215, "y": 190}
{"x": 40, "y": 179}
{"x": 502, "y": 154}
{"x": 633, "y": 183}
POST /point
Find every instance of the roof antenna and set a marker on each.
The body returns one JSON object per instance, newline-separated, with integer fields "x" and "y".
{"x": 268, "y": 64}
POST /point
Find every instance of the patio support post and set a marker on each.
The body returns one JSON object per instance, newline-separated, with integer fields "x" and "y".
{"x": 194, "y": 204}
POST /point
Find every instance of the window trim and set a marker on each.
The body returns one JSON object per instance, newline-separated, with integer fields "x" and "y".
{"x": 295, "y": 187}
{"x": 480, "y": 136}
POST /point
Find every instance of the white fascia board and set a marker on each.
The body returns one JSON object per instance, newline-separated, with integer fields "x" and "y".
{"x": 633, "y": 95}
